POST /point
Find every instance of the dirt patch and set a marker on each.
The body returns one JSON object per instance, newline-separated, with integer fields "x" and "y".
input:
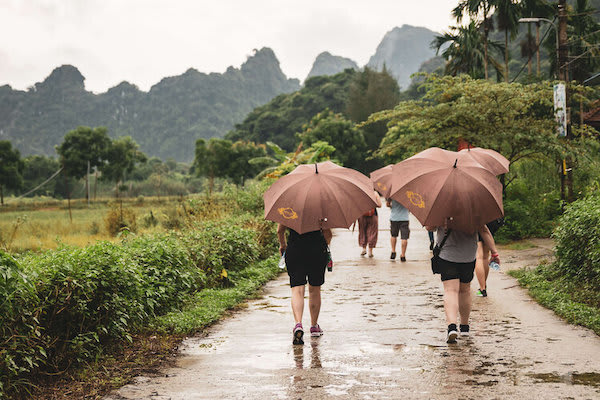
{"x": 147, "y": 356}
{"x": 539, "y": 251}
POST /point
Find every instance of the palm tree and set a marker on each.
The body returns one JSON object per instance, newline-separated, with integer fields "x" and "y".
{"x": 534, "y": 8}
{"x": 507, "y": 14}
{"x": 464, "y": 50}
{"x": 584, "y": 36}
{"x": 475, "y": 8}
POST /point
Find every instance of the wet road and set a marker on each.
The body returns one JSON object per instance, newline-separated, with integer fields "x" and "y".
{"x": 384, "y": 339}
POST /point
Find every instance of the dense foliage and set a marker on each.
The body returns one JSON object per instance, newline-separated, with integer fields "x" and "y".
{"x": 578, "y": 242}
{"x": 64, "y": 307}
{"x": 166, "y": 121}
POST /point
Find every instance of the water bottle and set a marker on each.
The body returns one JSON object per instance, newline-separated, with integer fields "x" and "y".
{"x": 494, "y": 265}
{"x": 282, "y": 261}
{"x": 330, "y": 262}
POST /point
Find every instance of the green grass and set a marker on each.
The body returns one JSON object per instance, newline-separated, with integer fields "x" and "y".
{"x": 519, "y": 245}
{"x": 576, "y": 304}
{"x": 208, "y": 305}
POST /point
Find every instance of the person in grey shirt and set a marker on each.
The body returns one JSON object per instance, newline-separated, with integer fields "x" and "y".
{"x": 456, "y": 265}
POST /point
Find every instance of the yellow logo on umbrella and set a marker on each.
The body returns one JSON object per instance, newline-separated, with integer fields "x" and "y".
{"x": 287, "y": 213}
{"x": 416, "y": 199}
{"x": 381, "y": 186}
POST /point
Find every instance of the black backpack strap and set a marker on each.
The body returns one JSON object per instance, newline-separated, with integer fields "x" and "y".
{"x": 444, "y": 239}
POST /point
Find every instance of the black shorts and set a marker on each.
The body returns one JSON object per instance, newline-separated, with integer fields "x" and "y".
{"x": 306, "y": 260}
{"x": 401, "y": 227}
{"x": 452, "y": 270}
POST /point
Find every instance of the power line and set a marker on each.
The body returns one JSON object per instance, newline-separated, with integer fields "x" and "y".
{"x": 41, "y": 184}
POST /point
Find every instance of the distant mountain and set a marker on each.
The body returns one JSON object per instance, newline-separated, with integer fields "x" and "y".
{"x": 402, "y": 51}
{"x": 165, "y": 122}
{"x": 328, "y": 64}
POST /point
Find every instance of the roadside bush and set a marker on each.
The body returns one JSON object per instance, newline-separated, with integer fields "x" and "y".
{"x": 20, "y": 351}
{"x": 578, "y": 241}
{"x": 88, "y": 296}
{"x": 528, "y": 214}
{"x": 217, "y": 245}
{"x": 168, "y": 270}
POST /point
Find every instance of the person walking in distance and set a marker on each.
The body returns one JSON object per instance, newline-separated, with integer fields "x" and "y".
{"x": 398, "y": 225}
{"x": 456, "y": 264}
{"x": 306, "y": 256}
{"x": 368, "y": 228}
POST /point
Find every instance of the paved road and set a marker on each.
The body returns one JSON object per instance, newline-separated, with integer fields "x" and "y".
{"x": 384, "y": 339}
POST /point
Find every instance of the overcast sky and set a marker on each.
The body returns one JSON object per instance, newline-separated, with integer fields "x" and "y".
{"x": 142, "y": 41}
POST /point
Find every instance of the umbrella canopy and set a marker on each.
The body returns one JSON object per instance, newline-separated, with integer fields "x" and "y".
{"x": 495, "y": 162}
{"x": 382, "y": 180}
{"x": 316, "y": 196}
{"x": 439, "y": 187}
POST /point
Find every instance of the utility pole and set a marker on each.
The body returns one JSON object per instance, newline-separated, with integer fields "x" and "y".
{"x": 563, "y": 75}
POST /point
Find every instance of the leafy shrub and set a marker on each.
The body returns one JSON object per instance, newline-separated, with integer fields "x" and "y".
{"x": 217, "y": 245}
{"x": 88, "y": 296}
{"x": 168, "y": 271}
{"x": 20, "y": 351}
{"x": 578, "y": 241}
{"x": 528, "y": 214}
{"x": 120, "y": 219}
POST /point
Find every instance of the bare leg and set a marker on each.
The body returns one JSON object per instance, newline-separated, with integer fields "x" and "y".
{"x": 482, "y": 268}
{"x": 298, "y": 302}
{"x": 393, "y": 241}
{"x": 451, "y": 289}
{"x": 464, "y": 302}
{"x": 404, "y": 244}
{"x": 314, "y": 303}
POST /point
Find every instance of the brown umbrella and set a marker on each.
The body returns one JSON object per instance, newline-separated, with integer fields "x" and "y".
{"x": 316, "y": 196}
{"x": 438, "y": 187}
{"x": 382, "y": 180}
{"x": 495, "y": 162}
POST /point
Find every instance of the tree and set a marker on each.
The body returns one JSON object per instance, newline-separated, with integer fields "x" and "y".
{"x": 584, "y": 39}
{"x": 464, "y": 51}
{"x": 531, "y": 9}
{"x": 38, "y": 169}
{"x": 11, "y": 168}
{"x": 514, "y": 119}
{"x": 81, "y": 149}
{"x": 507, "y": 16}
{"x": 121, "y": 157}
{"x": 222, "y": 158}
{"x": 349, "y": 142}
{"x": 476, "y": 8}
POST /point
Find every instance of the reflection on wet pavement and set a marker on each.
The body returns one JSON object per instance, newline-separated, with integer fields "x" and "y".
{"x": 384, "y": 338}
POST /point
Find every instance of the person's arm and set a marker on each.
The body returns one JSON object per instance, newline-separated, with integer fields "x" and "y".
{"x": 281, "y": 236}
{"x": 327, "y": 235}
{"x": 488, "y": 240}
{"x": 388, "y": 203}
{"x": 378, "y": 199}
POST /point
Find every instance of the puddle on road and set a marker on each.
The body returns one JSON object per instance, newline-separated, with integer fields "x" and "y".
{"x": 586, "y": 378}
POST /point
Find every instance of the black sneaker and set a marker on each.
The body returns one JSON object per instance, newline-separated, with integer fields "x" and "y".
{"x": 452, "y": 334}
{"x": 464, "y": 330}
{"x": 393, "y": 255}
{"x": 403, "y": 259}
{"x": 481, "y": 293}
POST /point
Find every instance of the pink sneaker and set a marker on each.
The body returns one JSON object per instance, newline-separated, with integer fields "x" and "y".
{"x": 316, "y": 331}
{"x": 298, "y": 333}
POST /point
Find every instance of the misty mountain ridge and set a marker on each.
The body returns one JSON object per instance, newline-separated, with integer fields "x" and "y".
{"x": 166, "y": 121}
